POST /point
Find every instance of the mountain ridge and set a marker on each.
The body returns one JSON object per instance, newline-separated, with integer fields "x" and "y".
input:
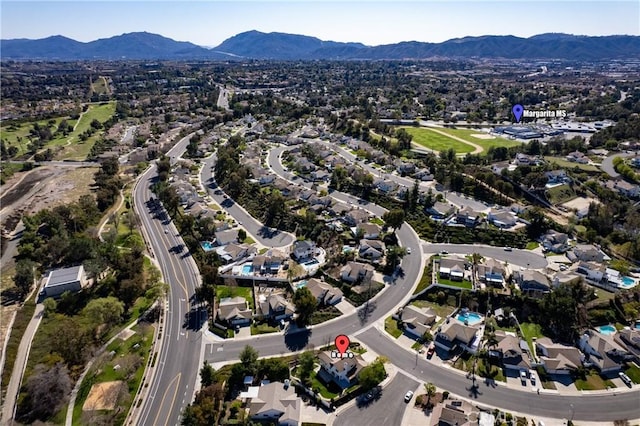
{"x": 254, "y": 44}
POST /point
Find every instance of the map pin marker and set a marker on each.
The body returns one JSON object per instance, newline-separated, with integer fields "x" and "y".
{"x": 517, "y": 111}
{"x": 342, "y": 343}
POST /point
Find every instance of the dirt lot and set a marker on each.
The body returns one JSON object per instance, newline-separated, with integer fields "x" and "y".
{"x": 42, "y": 188}
{"x": 103, "y": 396}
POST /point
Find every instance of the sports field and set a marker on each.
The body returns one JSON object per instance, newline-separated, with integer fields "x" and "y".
{"x": 437, "y": 142}
{"x": 434, "y": 139}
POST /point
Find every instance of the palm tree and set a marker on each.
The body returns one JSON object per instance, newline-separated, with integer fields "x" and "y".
{"x": 430, "y": 389}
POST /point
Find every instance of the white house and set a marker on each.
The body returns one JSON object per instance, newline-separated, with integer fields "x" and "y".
{"x": 342, "y": 371}
{"x": 277, "y": 402}
{"x": 58, "y": 281}
{"x": 303, "y": 250}
{"x": 603, "y": 351}
{"x": 234, "y": 311}
{"x": 324, "y": 293}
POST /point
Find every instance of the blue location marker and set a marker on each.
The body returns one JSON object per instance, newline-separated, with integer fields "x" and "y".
{"x": 517, "y": 111}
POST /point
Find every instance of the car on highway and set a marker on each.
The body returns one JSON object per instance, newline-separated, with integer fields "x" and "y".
{"x": 408, "y": 396}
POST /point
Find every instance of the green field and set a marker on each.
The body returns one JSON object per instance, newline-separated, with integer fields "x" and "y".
{"x": 100, "y": 87}
{"x": 484, "y": 143}
{"x": 561, "y": 162}
{"x": 75, "y": 149}
{"x": 223, "y": 291}
{"x": 17, "y": 135}
{"x": 72, "y": 148}
{"x": 432, "y": 140}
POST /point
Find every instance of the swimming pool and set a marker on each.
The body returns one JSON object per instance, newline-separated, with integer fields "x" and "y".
{"x": 247, "y": 269}
{"x": 637, "y": 326}
{"x": 206, "y": 245}
{"x": 471, "y": 318}
{"x": 628, "y": 282}
{"x": 606, "y": 329}
{"x": 301, "y": 284}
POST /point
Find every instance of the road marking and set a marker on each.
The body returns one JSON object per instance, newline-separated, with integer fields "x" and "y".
{"x": 155, "y": 422}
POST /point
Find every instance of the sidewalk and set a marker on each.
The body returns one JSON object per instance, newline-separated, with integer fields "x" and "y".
{"x": 13, "y": 389}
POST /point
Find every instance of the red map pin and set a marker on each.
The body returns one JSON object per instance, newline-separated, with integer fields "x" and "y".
{"x": 342, "y": 343}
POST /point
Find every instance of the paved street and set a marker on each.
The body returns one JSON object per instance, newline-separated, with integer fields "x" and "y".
{"x": 263, "y": 235}
{"x": 607, "y": 164}
{"x": 176, "y": 370}
{"x": 587, "y": 406}
{"x": 387, "y": 410}
{"x": 523, "y": 258}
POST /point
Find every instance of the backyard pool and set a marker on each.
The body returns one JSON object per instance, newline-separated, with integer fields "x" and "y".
{"x": 471, "y": 318}
{"x": 606, "y": 329}
{"x": 301, "y": 284}
{"x": 247, "y": 269}
{"x": 637, "y": 326}
{"x": 628, "y": 282}
{"x": 207, "y": 245}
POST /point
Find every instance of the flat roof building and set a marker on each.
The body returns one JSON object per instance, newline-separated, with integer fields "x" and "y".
{"x": 66, "y": 279}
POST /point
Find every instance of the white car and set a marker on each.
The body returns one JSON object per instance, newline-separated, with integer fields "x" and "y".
{"x": 408, "y": 250}
{"x": 532, "y": 376}
{"x": 523, "y": 377}
{"x": 408, "y": 396}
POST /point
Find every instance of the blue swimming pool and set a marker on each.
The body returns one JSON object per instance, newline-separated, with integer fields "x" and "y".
{"x": 637, "y": 326}
{"x": 301, "y": 284}
{"x": 628, "y": 282}
{"x": 606, "y": 329}
{"x": 247, "y": 269}
{"x": 471, "y": 318}
{"x": 207, "y": 245}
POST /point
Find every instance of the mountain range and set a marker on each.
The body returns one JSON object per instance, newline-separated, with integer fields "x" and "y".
{"x": 281, "y": 46}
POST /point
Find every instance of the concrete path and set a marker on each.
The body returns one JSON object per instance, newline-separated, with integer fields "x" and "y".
{"x": 13, "y": 389}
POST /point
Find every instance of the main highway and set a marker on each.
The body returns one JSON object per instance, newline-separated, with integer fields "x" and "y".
{"x": 176, "y": 367}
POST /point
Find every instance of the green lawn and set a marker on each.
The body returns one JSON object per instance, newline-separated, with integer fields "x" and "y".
{"x": 531, "y": 330}
{"x": 100, "y": 86}
{"x": 391, "y": 327}
{"x": 16, "y": 135}
{"x": 560, "y": 194}
{"x": 633, "y": 371}
{"x": 425, "y": 281}
{"x": 437, "y": 142}
{"x": 321, "y": 388}
{"x": 263, "y": 328}
{"x": 532, "y": 245}
{"x": 561, "y": 162}
{"x": 325, "y": 314}
{"x": 593, "y": 382}
{"x": 442, "y": 311}
{"x": 484, "y": 143}
{"x": 227, "y": 291}
{"x": 461, "y": 284}
{"x": 485, "y": 369}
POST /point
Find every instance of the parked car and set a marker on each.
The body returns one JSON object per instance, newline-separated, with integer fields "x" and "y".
{"x": 523, "y": 377}
{"x": 508, "y": 249}
{"x": 532, "y": 376}
{"x": 408, "y": 396}
{"x": 431, "y": 350}
{"x": 626, "y": 379}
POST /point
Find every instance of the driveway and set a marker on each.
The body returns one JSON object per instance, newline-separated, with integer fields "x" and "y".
{"x": 387, "y": 410}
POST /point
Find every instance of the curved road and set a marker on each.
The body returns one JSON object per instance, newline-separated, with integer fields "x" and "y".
{"x": 177, "y": 364}
{"x": 607, "y": 164}
{"x": 268, "y": 237}
{"x": 524, "y": 258}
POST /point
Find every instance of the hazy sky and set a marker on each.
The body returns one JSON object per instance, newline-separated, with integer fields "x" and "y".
{"x": 374, "y": 22}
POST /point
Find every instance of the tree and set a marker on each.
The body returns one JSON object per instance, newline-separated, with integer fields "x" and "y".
{"x": 50, "y": 306}
{"x": 393, "y": 218}
{"x": 306, "y": 362}
{"x": 105, "y": 311}
{"x": 394, "y": 256}
{"x": 273, "y": 369}
{"x": 207, "y": 375}
{"x": 47, "y": 390}
{"x": 249, "y": 359}
{"x": 371, "y": 375}
{"x": 24, "y": 276}
{"x": 306, "y": 304}
{"x": 430, "y": 389}
{"x": 242, "y": 235}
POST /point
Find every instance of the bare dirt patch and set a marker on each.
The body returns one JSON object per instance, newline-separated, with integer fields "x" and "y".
{"x": 67, "y": 188}
{"x": 579, "y": 203}
{"x": 482, "y": 136}
{"x": 103, "y": 396}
